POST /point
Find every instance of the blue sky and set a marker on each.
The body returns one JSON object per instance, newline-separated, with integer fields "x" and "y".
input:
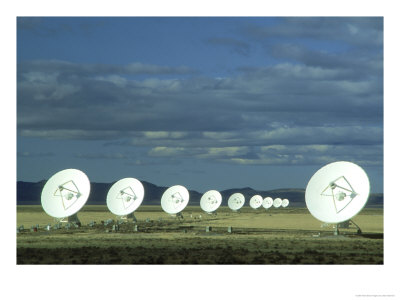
{"x": 210, "y": 103}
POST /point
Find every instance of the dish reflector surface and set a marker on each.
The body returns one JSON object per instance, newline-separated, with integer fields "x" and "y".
{"x": 277, "y": 202}
{"x": 337, "y": 192}
{"x": 285, "y": 202}
{"x": 65, "y": 193}
{"x": 267, "y": 202}
{"x": 256, "y": 201}
{"x": 236, "y": 201}
{"x": 210, "y": 201}
{"x": 175, "y": 199}
{"x": 125, "y": 196}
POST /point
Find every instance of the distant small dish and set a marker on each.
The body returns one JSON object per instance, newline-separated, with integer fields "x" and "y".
{"x": 256, "y": 201}
{"x": 285, "y": 202}
{"x": 267, "y": 202}
{"x": 277, "y": 202}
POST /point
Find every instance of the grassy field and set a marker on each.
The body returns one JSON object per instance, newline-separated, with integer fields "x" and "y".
{"x": 276, "y": 236}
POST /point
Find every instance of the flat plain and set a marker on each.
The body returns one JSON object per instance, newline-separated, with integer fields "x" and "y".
{"x": 275, "y": 236}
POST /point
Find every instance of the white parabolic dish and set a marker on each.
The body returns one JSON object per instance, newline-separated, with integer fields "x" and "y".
{"x": 210, "y": 201}
{"x": 337, "y": 192}
{"x": 65, "y": 193}
{"x": 285, "y": 202}
{"x": 277, "y": 202}
{"x": 267, "y": 202}
{"x": 175, "y": 199}
{"x": 125, "y": 196}
{"x": 256, "y": 201}
{"x": 236, "y": 201}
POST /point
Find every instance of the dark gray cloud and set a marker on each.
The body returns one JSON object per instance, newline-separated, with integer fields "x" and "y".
{"x": 106, "y": 106}
{"x": 312, "y": 154}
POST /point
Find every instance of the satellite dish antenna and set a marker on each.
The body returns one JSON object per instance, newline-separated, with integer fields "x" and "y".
{"x": 175, "y": 199}
{"x": 285, "y": 202}
{"x": 124, "y": 197}
{"x": 236, "y": 201}
{"x": 256, "y": 201}
{"x": 64, "y": 194}
{"x": 267, "y": 202}
{"x": 210, "y": 201}
{"x": 337, "y": 192}
{"x": 277, "y": 202}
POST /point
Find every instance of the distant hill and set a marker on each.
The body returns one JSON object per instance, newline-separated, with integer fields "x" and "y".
{"x": 28, "y": 193}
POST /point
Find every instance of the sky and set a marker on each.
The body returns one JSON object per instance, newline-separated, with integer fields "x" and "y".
{"x": 205, "y": 102}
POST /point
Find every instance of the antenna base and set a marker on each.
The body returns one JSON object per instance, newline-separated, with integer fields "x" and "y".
{"x": 359, "y": 231}
{"x": 336, "y": 230}
{"x": 132, "y": 216}
{"x": 74, "y": 219}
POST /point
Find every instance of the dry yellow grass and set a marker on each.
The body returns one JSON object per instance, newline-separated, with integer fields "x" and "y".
{"x": 370, "y": 220}
{"x": 277, "y": 236}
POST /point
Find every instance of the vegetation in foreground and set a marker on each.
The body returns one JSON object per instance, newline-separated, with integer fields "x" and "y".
{"x": 171, "y": 242}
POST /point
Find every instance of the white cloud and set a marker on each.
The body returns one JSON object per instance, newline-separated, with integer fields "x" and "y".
{"x": 219, "y": 135}
{"x": 172, "y": 85}
{"x": 164, "y": 134}
{"x": 115, "y": 79}
{"x": 168, "y": 151}
{"x": 222, "y": 152}
{"x": 70, "y": 134}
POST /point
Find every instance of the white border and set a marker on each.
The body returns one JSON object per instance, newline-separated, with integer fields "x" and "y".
{"x": 308, "y": 282}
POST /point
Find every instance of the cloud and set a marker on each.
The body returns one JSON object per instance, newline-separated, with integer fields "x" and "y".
{"x": 28, "y": 23}
{"x": 68, "y": 69}
{"x": 315, "y": 154}
{"x": 237, "y": 46}
{"x": 70, "y": 134}
{"x": 300, "y": 95}
{"x": 317, "y": 97}
{"x": 198, "y": 152}
{"x": 312, "y": 155}
{"x": 301, "y": 135}
{"x": 164, "y": 135}
{"x": 101, "y": 156}
{"x": 351, "y": 65}
{"x": 40, "y": 26}
{"x": 34, "y": 154}
{"x": 357, "y": 31}
{"x": 225, "y": 151}
{"x": 169, "y": 151}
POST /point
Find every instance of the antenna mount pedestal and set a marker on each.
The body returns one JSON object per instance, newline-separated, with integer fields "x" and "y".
{"x": 74, "y": 219}
{"x": 336, "y": 230}
{"x": 132, "y": 216}
{"x": 359, "y": 231}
